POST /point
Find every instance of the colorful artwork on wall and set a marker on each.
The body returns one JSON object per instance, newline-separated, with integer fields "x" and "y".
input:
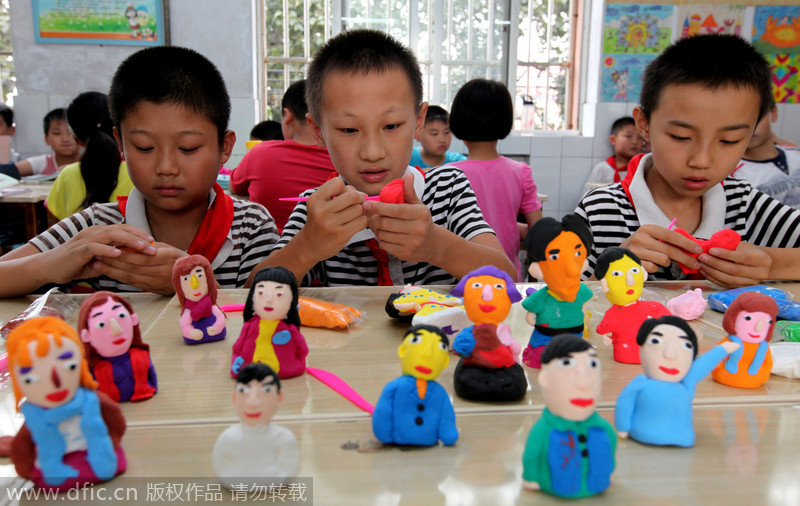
{"x": 637, "y": 28}
{"x": 785, "y": 81}
{"x": 622, "y": 77}
{"x": 702, "y": 19}
{"x": 776, "y": 29}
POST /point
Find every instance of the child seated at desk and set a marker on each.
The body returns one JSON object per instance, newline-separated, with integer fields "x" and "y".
{"x": 698, "y": 112}
{"x": 170, "y": 111}
{"x": 364, "y": 94}
{"x": 626, "y": 142}
{"x": 59, "y": 137}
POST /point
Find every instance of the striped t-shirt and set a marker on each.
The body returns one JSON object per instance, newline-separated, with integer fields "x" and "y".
{"x": 758, "y": 218}
{"x": 251, "y": 236}
{"x": 453, "y": 206}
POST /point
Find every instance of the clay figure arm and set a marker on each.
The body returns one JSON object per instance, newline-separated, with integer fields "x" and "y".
{"x": 705, "y": 363}
{"x": 533, "y": 456}
{"x": 505, "y": 337}
{"x": 249, "y": 331}
{"x": 758, "y": 359}
{"x": 464, "y": 342}
{"x": 100, "y": 453}
{"x": 626, "y": 405}
{"x": 187, "y": 329}
{"x": 383, "y": 415}
{"x": 219, "y": 321}
{"x": 49, "y": 450}
{"x": 152, "y": 378}
{"x": 448, "y": 432}
{"x": 301, "y": 346}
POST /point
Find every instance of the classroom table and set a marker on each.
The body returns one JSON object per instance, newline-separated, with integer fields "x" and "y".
{"x": 745, "y": 438}
{"x": 30, "y": 198}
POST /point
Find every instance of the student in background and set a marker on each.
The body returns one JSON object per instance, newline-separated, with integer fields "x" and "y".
{"x": 435, "y": 138}
{"x": 701, "y": 100}
{"x": 7, "y": 128}
{"x": 267, "y": 131}
{"x": 627, "y": 143}
{"x": 170, "y": 110}
{"x": 272, "y": 170}
{"x": 482, "y": 114}
{"x": 364, "y": 95}
{"x": 58, "y": 136}
{"x": 101, "y": 175}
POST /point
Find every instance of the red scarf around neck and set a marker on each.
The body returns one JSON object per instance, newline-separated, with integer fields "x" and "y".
{"x": 213, "y": 230}
{"x": 612, "y": 160}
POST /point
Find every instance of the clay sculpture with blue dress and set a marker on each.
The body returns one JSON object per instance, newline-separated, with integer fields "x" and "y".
{"x": 270, "y": 333}
{"x": 414, "y": 409}
{"x": 749, "y": 322}
{"x": 117, "y": 356}
{"x": 570, "y": 451}
{"x": 71, "y": 435}
{"x": 202, "y": 321}
{"x": 656, "y": 407}
{"x": 489, "y": 368}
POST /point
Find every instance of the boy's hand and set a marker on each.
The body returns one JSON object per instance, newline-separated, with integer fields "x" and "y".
{"x": 746, "y": 265}
{"x": 405, "y": 230}
{"x": 150, "y": 272}
{"x": 656, "y": 246}
{"x": 331, "y": 222}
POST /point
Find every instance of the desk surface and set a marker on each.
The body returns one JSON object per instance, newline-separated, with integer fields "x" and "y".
{"x": 33, "y": 193}
{"x": 180, "y": 424}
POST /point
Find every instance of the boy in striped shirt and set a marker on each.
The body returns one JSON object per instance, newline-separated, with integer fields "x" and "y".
{"x": 700, "y": 103}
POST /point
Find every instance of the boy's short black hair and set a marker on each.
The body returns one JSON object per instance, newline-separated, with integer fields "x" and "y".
{"x": 258, "y": 371}
{"x": 267, "y": 131}
{"x": 295, "y": 100}
{"x": 564, "y": 345}
{"x": 433, "y": 329}
{"x": 360, "y": 51}
{"x": 546, "y": 229}
{"x": 621, "y": 123}
{"x": 713, "y": 61}
{"x": 174, "y": 75}
{"x": 54, "y": 115}
{"x": 7, "y": 114}
{"x": 676, "y": 321}
{"x": 482, "y": 111}
{"x": 611, "y": 255}
{"x": 437, "y": 113}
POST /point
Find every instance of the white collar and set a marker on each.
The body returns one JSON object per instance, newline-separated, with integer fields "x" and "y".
{"x": 714, "y": 204}
{"x": 136, "y": 215}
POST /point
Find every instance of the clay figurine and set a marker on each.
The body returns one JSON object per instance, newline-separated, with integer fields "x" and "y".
{"x": 622, "y": 279}
{"x": 254, "y": 447}
{"x": 689, "y": 305}
{"x": 557, "y": 255}
{"x": 270, "y": 333}
{"x": 118, "y": 359}
{"x": 71, "y": 436}
{"x": 428, "y": 307}
{"x": 414, "y": 409}
{"x": 656, "y": 407}
{"x": 489, "y": 368}
{"x": 749, "y": 322}
{"x": 570, "y": 450}
{"x": 201, "y": 320}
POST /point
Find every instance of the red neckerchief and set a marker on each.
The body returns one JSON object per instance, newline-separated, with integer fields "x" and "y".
{"x": 213, "y": 230}
{"x": 612, "y": 161}
{"x": 626, "y": 183}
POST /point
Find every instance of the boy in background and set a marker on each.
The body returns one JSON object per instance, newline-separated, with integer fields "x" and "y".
{"x": 58, "y": 136}
{"x": 626, "y": 142}
{"x": 272, "y": 170}
{"x": 698, "y": 113}
{"x": 435, "y": 138}
{"x": 266, "y": 131}
{"x": 170, "y": 108}
{"x": 7, "y": 128}
{"x": 364, "y": 95}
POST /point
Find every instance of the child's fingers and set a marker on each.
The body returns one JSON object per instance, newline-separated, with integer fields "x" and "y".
{"x": 725, "y": 279}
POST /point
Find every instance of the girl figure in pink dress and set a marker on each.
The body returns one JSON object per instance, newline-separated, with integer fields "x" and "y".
{"x": 201, "y": 320}
{"x": 270, "y": 333}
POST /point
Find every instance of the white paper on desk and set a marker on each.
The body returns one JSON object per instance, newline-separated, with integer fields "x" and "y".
{"x": 786, "y": 359}
{"x": 6, "y": 181}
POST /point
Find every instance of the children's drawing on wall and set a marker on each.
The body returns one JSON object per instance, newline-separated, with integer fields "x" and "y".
{"x": 635, "y": 28}
{"x": 622, "y": 77}
{"x": 785, "y": 70}
{"x": 776, "y": 29}
{"x": 702, "y": 19}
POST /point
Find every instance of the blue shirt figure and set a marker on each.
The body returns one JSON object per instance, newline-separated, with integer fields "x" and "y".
{"x": 656, "y": 408}
{"x": 413, "y": 409}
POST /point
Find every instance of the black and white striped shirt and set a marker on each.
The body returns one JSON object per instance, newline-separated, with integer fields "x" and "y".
{"x": 453, "y": 206}
{"x": 249, "y": 241}
{"x": 757, "y": 217}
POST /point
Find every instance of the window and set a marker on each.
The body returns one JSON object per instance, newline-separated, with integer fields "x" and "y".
{"x": 8, "y": 86}
{"x": 454, "y": 40}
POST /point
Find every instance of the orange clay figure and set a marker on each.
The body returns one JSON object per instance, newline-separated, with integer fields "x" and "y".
{"x": 72, "y": 432}
{"x": 749, "y": 321}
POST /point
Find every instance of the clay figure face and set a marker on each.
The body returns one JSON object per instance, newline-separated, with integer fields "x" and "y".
{"x": 257, "y": 401}
{"x": 566, "y": 259}
{"x": 486, "y": 299}
{"x": 51, "y": 380}
{"x": 423, "y": 355}
{"x": 571, "y": 385}
{"x": 271, "y": 300}
{"x": 195, "y": 284}
{"x": 665, "y": 355}
{"x": 109, "y": 328}
{"x": 623, "y": 281}
{"x": 752, "y": 327}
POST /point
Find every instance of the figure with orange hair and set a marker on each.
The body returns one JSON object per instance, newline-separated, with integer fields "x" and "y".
{"x": 749, "y": 322}
{"x": 201, "y": 320}
{"x": 71, "y": 436}
{"x": 117, "y": 356}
